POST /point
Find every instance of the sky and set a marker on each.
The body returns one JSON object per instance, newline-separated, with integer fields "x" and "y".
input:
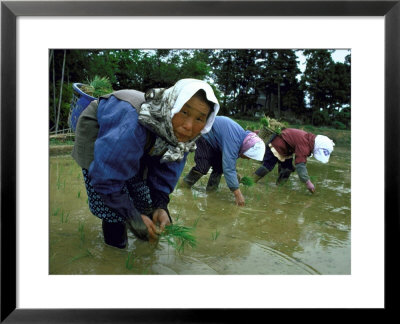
{"x": 337, "y": 56}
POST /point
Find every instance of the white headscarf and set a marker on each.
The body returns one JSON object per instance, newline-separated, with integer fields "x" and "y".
{"x": 323, "y": 147}
{"x": 253, "y": 147}
{"x": 256, "y": 152}
{"x": 161, "y": 105}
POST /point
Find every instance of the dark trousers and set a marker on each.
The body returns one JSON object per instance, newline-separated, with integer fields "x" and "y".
{"x": 113, "y": 224}
{"x": 285, "y": 168}
{"x": 207, "y": 157}
{"x": 270, "y": 160}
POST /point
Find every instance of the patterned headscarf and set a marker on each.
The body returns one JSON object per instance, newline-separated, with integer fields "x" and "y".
{"x": 161, "y": 105}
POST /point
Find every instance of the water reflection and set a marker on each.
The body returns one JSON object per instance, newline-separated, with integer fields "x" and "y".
{"x": 281, "y": 230}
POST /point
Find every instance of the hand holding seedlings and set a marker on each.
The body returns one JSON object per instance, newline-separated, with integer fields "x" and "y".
{"x": 151, "y": 227}
{"x": 160, "y": 217}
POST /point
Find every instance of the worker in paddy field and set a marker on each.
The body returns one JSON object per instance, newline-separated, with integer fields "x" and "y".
{"x": 132, "y": 148}
{"x": 280, "y": 149}
{"x": 219, "y": 149}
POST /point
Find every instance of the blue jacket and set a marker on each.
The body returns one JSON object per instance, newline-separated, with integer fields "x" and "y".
{"x": 119, "y": 154}
{"x": 227, "y": 137}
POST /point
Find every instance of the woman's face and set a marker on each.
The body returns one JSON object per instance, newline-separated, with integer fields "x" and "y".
{"x": 190, "y": 120}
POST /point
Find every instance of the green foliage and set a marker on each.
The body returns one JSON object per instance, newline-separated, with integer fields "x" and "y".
{"x": 239, "y": 77}
{"x": 327, "y": 84}
{"x": 97, "y": 87}
{"x": 247, "y": 181}
{"x": 264, "y": 122}
{"x": 179, "y": 236}
{"x": 81, "y": 230}
{"x": 65, "y": 104}
{"x": 309, "y": 128}
{"x": 338, "y": 125}
{"x": 84, "y": 254}
{"x": 214, "y": 235}
{"x": 130, "y": 259}
{"x": 321, "y": 118}
{"x": 55, "y": 141}
{"x": 342, "y": 118}
{"x": 64, "y": 217}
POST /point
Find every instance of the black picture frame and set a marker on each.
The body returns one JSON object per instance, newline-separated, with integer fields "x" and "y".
{"x": 10, "y": 10}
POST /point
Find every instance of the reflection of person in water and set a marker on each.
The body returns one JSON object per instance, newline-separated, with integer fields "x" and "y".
{"x": 132, "y": 148}
{"x": 280, "y": 149}
{"x": 219, "y": 149}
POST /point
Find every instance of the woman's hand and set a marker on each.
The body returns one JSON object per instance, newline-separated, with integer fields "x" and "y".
{"x": 310, "y": 186}
{"x": 161, "y": 218}
{"x": 151, "y": 228}
{"x": 239, "y": 197}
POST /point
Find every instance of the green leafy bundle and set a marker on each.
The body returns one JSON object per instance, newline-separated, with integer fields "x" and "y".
{"x": 97, "y": 87}
{"x": 247, "y": 181}
{"x": 270, "y": 126}
{"x": 179, "y": 236}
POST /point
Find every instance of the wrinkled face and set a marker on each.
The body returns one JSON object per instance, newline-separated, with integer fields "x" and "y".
{"x": 190, "y": 120}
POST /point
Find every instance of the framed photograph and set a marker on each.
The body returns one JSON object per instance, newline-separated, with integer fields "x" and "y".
{"x": 32, "y": 289}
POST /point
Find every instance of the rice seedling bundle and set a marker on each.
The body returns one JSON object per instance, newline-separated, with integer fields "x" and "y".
{"x": 97, "y": 87}
{"x": 270, "y": 126}
{"x": 179, "y": 236}
{"x": 247, "y": 181}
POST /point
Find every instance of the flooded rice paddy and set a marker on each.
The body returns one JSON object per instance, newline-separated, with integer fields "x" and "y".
{"x": 281, "y": 230}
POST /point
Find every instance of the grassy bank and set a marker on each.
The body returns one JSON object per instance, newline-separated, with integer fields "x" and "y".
{"x": 64, "y": 144}
{"x": 340, "y": 137}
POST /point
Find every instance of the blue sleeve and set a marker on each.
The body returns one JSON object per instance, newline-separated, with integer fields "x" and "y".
{"x": 163, "y": 177}
{"x": 229, "y": 156}
{"x": 118, "y": 147}
{"x": 229, "y": 136}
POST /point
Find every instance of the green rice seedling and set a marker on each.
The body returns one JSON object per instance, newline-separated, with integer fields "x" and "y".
{"x": 270, "y": 126}
{"x": 81, "y": 230}
{"x": 129, "y": 261}
{"x": 85, "y": 254}
{"x": 196, "y": 221}
{"x": 266, "y": 184}
{"x": 215, "y": 235}
{"x": 64, "y": 217}
{"x": 247, "y": 181}
{"x": 79, "y": 194}
{"x": 178, "y": 236}
{"x": 264, "y": 122}
{"x": 55, "y": 212}
{"x": 58, "y": 183}
{"x": 97, "y": 87}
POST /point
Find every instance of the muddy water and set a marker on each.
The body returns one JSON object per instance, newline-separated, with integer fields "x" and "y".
{"x": 281, "y": 230}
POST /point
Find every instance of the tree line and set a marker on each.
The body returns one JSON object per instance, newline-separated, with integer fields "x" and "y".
{"x": 248, "y": 82}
